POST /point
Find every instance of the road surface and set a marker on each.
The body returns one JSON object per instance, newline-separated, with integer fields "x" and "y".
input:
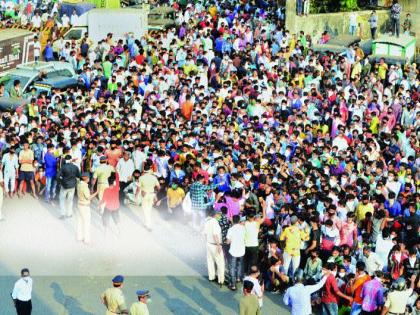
{"x": 69, "y": 276}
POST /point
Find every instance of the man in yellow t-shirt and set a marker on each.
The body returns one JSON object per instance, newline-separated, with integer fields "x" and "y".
{"x": 293, "y": 236}
{"x": 175, "y": 196}
{"x": 364, "y": 207}
{"x": 382, "y": 69}
{"x": 374, "y": 124}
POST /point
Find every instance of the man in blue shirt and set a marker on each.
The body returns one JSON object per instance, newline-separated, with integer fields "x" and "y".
{"x": 219, "y": 44}
{"x": 50, "y": 173}
{"x": 393, "y": 206}
{"x": 298, "y": 297}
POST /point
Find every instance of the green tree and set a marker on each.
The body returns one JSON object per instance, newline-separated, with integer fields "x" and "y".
{"x": 348, "y": 5}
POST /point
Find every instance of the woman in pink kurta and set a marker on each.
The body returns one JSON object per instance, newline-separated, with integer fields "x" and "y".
{"x": 348, "y": 232}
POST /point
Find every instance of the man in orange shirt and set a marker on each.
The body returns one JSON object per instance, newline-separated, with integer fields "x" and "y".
{"x": 114, "y": 154}
{"x": 357, "y": 285}
{"x": 187, "y": 107}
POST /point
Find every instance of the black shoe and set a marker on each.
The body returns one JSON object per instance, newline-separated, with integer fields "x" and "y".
{"x": 232, "y": 288}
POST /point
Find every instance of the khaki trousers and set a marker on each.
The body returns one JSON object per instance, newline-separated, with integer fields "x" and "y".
{"x": 83, "y": 223}
{"x": 147, "y": 205}
{"x": 101, "y": 188}
{"x": 214, "y": 257}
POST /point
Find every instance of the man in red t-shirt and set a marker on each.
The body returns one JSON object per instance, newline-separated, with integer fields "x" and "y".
{"x": 111, "y": 202}
{"x": 331, "y": 292}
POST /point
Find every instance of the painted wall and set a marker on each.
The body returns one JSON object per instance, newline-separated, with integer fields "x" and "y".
{"x": 336, "y": 23}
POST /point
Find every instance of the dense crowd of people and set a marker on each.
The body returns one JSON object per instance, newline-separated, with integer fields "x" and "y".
{"x": 301, "y": 168}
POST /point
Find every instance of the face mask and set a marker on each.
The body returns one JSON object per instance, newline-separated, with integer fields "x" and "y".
{"x": 149, "y": 301}
{"x": 342, "y": 274}
{"x": 270, "y": 232}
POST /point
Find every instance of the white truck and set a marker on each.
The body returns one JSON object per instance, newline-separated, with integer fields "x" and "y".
{"x": 99, "y": 22}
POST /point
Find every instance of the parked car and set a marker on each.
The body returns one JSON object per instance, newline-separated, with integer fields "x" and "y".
{"x": 338, "y": 44}
{"x": 8, "y": 104}
{"x": 56, "y": 75}
{"x": 31, "y": 73}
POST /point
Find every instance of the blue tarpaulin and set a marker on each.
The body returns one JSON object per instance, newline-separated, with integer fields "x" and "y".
{"x": 81, "y": 8}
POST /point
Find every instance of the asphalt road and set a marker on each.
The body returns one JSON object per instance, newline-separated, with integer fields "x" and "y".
{"x": 69, "y": 276}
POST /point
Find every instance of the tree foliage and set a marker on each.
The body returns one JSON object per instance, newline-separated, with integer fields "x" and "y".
{"x": 329, "y": 6}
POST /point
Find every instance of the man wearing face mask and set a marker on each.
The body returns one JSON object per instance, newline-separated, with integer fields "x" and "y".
{"x": 140, "y": 307}
{"x": 175, "y": 196}
{"x": 331, "y": 292}
{"x": 22, "y": 293}
{"x": 392, "y": 184}
{"x": 357, "y": 285}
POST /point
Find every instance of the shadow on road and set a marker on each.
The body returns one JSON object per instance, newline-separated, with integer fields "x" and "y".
{"x": 195, "y": 294}
{"x": 220, "y": 295}
{"x": 71, "y": 304}
{"x": 175, "y": 305}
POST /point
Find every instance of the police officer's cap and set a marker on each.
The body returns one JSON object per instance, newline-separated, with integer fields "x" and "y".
{"x": 142, "y": 293}
{"x": 118, "y": 279}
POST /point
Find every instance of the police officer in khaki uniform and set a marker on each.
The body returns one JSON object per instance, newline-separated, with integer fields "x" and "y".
{"x": 83, "y": 214}
{"x": 100, "y": 176}
{"x": 148, "y": 184}
{"x": 140, "y": 307}
{"x": 113, "y": 298}
{"x": 397, "y": 299}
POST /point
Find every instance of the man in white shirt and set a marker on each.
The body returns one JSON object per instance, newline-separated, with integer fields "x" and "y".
{"x": 257, "y": 290}
{"x": 139, "y": 157}
{"x": 22, "y": 293}
{"x": 236, "y": 239}
{"x": 37, "y": 48}
{"x": 252, "y": 228}
{"x": 74, "y": 19}
{"x": 65, "y": 21}
{"x": 384, "y": 244}
{"x": 36, "y": 20}
{"x": 125, "y": 168}
{"x": 393, "y": 184}
{"x": 213, "y": 233}
{"x": 372, "y": 261}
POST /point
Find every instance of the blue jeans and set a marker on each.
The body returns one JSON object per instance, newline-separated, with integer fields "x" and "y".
{"x": 353, "y": 30}
{"x": 356, "y": 309}
{"x": 395, "y": 27}
{"x": 329, "y": 309}
{"x": 299, "y": 6}
{"x": 236, "y": 269}
{"x": 50, "y": 188}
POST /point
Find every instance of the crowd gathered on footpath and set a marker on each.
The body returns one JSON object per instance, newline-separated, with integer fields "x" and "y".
{"x": 300, "y": 168}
